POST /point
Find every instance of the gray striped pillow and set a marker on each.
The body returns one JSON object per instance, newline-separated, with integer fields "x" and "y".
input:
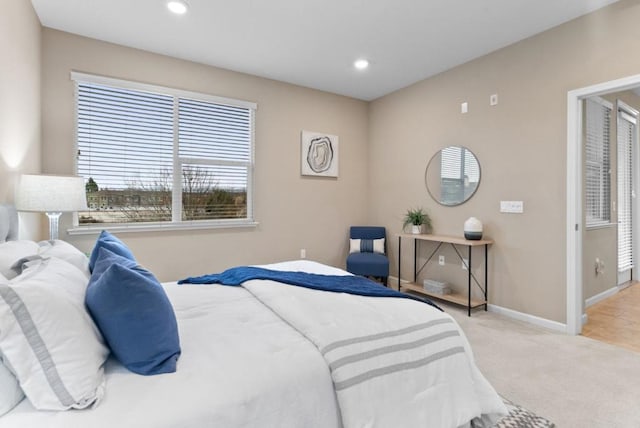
{"x": 44, "y": 322}
{"x": 366, "y": 246}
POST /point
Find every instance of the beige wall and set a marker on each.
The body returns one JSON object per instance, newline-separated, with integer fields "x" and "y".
{"x": 293, "y": 212}
{"x": 520, "y": 143}
{"x": 385, "y": 146}
{"x": 601, "y": 244}
{"x": 19, "y": 101}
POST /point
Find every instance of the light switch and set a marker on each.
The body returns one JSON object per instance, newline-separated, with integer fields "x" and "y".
{"x": 464, "y": 107}
{"x": 493, "y": 99}
{"x": 514, "y": 207}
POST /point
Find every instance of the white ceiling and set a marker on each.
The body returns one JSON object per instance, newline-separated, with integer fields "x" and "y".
{"x": 313, "y": 43}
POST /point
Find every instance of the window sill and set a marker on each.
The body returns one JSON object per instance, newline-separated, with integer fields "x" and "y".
{"x": 601, "y": 226}
{"x": 159, "y": 227}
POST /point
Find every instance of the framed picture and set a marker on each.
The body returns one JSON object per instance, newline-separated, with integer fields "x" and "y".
{"x": 319, "y": 154}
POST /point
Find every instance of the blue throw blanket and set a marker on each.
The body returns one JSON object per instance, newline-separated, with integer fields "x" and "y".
{"x": 350, "y": 284}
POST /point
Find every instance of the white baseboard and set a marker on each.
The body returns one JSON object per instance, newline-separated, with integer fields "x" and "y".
{"x": 531, "y": 319}
{"x": 601, "y": 296}
{"x": 521, "y": 316}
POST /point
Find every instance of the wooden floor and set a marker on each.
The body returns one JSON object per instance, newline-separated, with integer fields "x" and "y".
{"x": 616, "y": 320}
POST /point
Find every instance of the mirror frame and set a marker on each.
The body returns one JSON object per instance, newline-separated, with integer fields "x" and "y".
{"x": 426, "y": 174}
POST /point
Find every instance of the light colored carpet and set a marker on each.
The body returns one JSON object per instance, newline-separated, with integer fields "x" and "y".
{"x": 573, "y": 381}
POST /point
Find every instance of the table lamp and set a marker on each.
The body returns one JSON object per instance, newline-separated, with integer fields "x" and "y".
{"x": 52, "y": 194}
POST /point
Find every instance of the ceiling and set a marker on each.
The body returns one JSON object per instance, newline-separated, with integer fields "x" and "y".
{"x": 314, "y": 43}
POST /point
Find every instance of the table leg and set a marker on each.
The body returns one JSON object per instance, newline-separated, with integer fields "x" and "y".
{"x": 399, "y": 259}
{"x": 469, "y": 284}
{"x": 415, "y": 260}
{"x": 486, "y": 276}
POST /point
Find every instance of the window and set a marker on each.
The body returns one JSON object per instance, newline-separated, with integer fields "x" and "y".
{"x": 626, "y": 126}
{"x": 153, "y": 155}
{"x": 597, "y": 162}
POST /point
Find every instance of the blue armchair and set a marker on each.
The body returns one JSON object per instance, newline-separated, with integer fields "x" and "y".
{"x": 368, "y": 256}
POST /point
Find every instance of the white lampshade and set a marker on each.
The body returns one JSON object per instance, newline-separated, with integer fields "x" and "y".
{"x": 51, "y": 193}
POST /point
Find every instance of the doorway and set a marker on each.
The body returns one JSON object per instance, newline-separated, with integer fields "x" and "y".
{"x": 580, "y": 218}
{"x": 609, "y": 149}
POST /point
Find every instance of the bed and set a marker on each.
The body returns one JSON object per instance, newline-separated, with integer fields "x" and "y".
{"x": 267, "y": 354}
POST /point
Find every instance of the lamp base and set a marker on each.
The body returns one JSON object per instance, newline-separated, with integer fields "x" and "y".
{"x": 54, "y": 218}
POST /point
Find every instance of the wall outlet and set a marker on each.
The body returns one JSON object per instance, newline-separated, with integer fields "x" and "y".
{"x": 441, "y": 260}
{"x": 465, "y": 263}
{"x": 303, "y": 253}
{"x": 599, "y": 266}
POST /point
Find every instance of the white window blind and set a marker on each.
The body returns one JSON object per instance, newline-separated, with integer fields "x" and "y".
{"x": 458, "y": 169}
{"x": 151, "y": 154}
{"x": 215, "y": 153}
{"x": 597, "y": 162}
{"x": 626, "y": 140}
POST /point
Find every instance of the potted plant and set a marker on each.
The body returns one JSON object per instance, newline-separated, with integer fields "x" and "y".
{"x": 416, "y": 218}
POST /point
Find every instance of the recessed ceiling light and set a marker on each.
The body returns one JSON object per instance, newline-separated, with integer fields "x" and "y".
{"x": 361, "y": 64}
{"x": 178, "y": 7}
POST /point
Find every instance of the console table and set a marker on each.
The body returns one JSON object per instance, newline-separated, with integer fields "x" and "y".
{"x": 454, "y": 241}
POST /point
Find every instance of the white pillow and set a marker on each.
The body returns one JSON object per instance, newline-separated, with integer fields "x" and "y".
{"x": 49, "y": 339}
{"x": 67, "y": 252}
{"x": 10, "y": 391}
{"x": 366, "y": 246}
{"x": 12, "y": 251}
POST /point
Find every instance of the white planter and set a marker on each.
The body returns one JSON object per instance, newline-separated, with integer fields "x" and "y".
{"x": 473, "y": 229}
{"x": 416, "y": 229}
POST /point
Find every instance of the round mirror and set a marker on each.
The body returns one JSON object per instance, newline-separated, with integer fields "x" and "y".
{"x": 452, "y": 175}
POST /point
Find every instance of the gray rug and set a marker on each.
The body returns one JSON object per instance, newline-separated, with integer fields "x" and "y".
{"x": 519, "y": 417}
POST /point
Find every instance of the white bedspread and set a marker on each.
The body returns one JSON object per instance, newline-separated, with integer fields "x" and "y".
{"x": 394, "y": 362}
{"x": 241, "y": 366}
{"x": 251, "y": 358}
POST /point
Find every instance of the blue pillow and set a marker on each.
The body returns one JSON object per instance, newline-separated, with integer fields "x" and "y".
{"x": 106, "y": 258}
{"x": 134, "y": 314}
{"x": 110, "y": 242}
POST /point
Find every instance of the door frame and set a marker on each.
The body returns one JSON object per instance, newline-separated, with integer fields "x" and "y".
{"x": 575, "y": 300}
